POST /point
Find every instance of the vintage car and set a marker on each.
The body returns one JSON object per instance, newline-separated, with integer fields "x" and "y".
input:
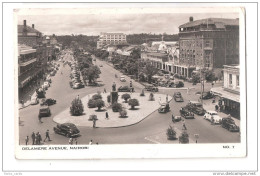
{"x": 164, "y": 108}
{"x": 176, "y": 118}
{"x": 213, "y": 117}
{"x": 48, "y": 102}
{"x": 67, "y": 129}
{"x": 187, "y": 114}
{"x": 229, "y": 124}
{"x": 122, "y": 79}
{"x": 48, "y": 79}
{"x": 178, "y": 97}
{"x": 40, "y": 93}
{"x": 151, "y": 88}
{"x": 44, "y": 111}
{"x": 125, "y": 89}
{"x": 77, "y": 85}
{"x": 207, "y": 95}
{"x": 196, "y": 107}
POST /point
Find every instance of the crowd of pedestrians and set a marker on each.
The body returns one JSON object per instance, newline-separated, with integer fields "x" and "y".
{"x": 36, "y": 138}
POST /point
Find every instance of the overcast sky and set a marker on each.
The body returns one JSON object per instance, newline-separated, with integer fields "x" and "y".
{"x": 93, "y": 24}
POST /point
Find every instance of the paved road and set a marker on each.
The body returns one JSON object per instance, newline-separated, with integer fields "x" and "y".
{"x": 136, "y": 134}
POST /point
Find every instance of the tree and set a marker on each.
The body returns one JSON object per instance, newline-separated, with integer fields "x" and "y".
{"x": 195, "y": 78}
{"x": 91, "y": 103}
{"x": 116, "y": 107}
{"x": 150, "y": 70}
{"x": 136, "y": 53}
{"x": 125, "y": 97}
{"x": 96, "y": 97}
{"x": 123, "y": 113}
{"x": 91, "y": 73}
{"x": 210, "y": 76}
{"x": 133, "y": 102}
{"x": 77, "y": 107}
{"x": 171, "y": 133}
{"x": 184, "y": 137}
{"x": 151, "y": 97}
{"x": 99, "y": 103}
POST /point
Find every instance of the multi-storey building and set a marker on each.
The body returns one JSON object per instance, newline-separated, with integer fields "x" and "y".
{"x": 230, "y": 92}
{"x": 106, "y": 38}
{"x": 208, "y": 43}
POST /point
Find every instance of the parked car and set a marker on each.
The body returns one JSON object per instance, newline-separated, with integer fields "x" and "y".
{"x": 213, "y": 117}
{"x": 48, "y": 101}
{"x": 122, "y": 79}
{"x": 151, "y": 88}
{"x": 52, "y": 73}
{"x": 164, "y": 108}
{"x": 34, "y": 101}
{"x": 196, "y": 107}
{"x": 229, "y": 124}
{"x": 176, "y": 118}
{"x": 125, "y": 89}
{"x": 178, "y": 97}
{"x": 77, "y": 85}
{"x": 44, "y": 111}
{"x": 187, "y": 114}
{"x": 67, "y": 129}
{"x": 207, "y": 95}
{"x": 47, "y": 84}
{"x": 48, "y": 79}
{"x": 40, "y": 93}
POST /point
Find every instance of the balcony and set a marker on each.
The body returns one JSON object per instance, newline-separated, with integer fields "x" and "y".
{"x": 28, "y": 62}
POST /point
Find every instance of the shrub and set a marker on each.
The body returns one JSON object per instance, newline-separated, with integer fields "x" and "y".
{"x": 123, "y": 113}
{"x": 92, "y": 117}
{"x": 116, "y": 107}
{"x": 184, "y": 138}
{"x": 76, "y": 108}
{"x": 133, "y": 103}
{"x": 171, "y": 134}
{"x": 125, "y": 97}
{"x": 151, "y": 97}
{"x": 142, "y": 94}
{"x": 99, "y": 103}
{"x": 96, "y": 97}
{"x": 108, "y": 98}
{"x": 91, "y": 103}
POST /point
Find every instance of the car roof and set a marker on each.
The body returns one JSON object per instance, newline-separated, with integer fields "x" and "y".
{"x": 69, "y": 124}
{"x": 212, "y": 112}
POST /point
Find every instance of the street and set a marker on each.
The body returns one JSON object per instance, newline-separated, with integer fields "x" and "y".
{"x": 155, "y": 123}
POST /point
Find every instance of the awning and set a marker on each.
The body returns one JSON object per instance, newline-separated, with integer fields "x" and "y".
{"x": 224, "y": 94}
{"x": 26, "y": 77}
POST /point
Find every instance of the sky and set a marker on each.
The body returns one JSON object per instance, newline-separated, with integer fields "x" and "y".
{"x": 93, "y": 24}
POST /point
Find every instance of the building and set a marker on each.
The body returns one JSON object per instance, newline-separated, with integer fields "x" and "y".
{"x": 106, "y": 38}
{"x": 28, "y": 35}
{"x": 208, "y": 43}
{"x": 230, "y": 92}
{"x": 158, "y": 60}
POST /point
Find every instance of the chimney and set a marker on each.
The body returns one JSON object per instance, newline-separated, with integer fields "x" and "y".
{"x": 33, "y": 26}
{"x": 191, "y": 19}
{"x": 24, "y": 23}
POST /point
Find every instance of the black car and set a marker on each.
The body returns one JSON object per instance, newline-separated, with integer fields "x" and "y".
{"x": 196, "y": 108}
{"x": 178, "y": 97}
{"x": 186, "y": 113}
{"x": 207, "y": 95}
{"x": 40, "y": 93}
{"x": 67, "y": 129}
{"x": 151, "y": 88}
{"x": 125, "y": 89}
{"x": 44, "y": 111}
{"x": 48, "y": 102}
{"x": 229, "y": 124}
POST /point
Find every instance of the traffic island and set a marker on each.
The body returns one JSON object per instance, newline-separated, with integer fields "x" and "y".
{"x": 114, "y": 119}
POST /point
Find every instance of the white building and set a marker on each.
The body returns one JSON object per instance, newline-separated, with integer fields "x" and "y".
{"x": 106, "y": 38}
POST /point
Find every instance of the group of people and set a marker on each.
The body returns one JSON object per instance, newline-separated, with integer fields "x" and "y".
{"x": 37, "y": 138}
{"x": 71, "y": 141}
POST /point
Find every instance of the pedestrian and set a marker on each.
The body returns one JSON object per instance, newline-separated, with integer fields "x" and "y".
{"x": 76, "y": 142}
{"x": 212, "y": 84}
{"x": 30, "y": 95}
{"x": 47, "y": 136}
{"x": 33, "y": 138}
{"x": 107, "y": 115}
{"x": 105, "y": 91}
{"x": 216, "y": 107}
{"x": 94, "y": 123}
{"x": 90, "y": 143}
{"x": 71, "y": 141}
{"x": 97, "y": 143}
{"x": 188, "y": 90}
{"x": 26, "y": 140}
{"x": 131, "y": 84}
{"x": 39, "y": 138}
{"x": 40, "y": 119}
{"x": 167, "y": 98}
{"x": 183, "y": 125}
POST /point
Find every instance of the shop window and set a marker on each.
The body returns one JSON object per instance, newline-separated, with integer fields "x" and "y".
{"x": 230, "y": 79}
{"x": 237, "y": 80}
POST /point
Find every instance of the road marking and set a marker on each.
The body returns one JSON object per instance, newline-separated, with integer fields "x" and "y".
{"x": 154, "y": 141}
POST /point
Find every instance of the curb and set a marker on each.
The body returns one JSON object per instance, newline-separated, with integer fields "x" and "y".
{"x": 24, "y": 106}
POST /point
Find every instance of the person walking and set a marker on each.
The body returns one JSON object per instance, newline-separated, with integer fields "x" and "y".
{"x": 94, "y": 123}
{"x": 40, "y": 119}
{"x": 188, "y": 90}
{"x": 33, "y": 138}
{"x": 76, "y": 142}
{"x": 183, "y": 125}
{"x": 26, "y": 140}
{"x": 105, "y": 91}
{"x": 39, "y": 138}
{"x": 47, "y": 135}
{"x": 90, "y": 143}
{"x": 70, "y": 141}
{"x": 107, "y": 115}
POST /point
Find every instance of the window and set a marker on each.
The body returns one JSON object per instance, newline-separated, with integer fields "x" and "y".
{"x": 230, "y": 79}
{"x": 238, "y": 80}
{"x": 207, "y": 43}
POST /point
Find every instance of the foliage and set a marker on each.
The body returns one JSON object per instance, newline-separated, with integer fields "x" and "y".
{"x": 136, "y": 53}
{"x": 116, "y": 107}
{"x": 196, "y": 78}
{"x": 91, "y": 103}
{"x": 77, "y": 107}
{"x": 184, "y": 138}
{"x": 151, "y": 97}
{"x": 133, "y": 102}
{"x": 99, "y": 103}
{"x": 142, "y": 93}
{"x": 91, "y": 73}
{"x": 123, "y": 113}
{"x": 97, "y": 96}
{"x": 210, "y": 76}
{"x": 150, "y": 71}
{"x": 171, "y": 133}
{"x": 125, "y": 97}
{"x": 92, "y": 117}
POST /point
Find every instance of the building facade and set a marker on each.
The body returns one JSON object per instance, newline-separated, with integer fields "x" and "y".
{"x": 208, "y": 43}
{"x": 230, "y": 92}
{"x": 106, "y": 38}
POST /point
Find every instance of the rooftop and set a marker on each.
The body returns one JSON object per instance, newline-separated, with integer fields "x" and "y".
{"x": 28, "y": 29}
{"x": 219, "y": 22}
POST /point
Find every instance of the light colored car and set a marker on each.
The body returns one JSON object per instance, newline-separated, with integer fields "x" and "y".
{"x": 213, "y": 117}
{"x": 34, "y": 101}
{"x": 46, "y": 83}
{"x": 122, "y": 79}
